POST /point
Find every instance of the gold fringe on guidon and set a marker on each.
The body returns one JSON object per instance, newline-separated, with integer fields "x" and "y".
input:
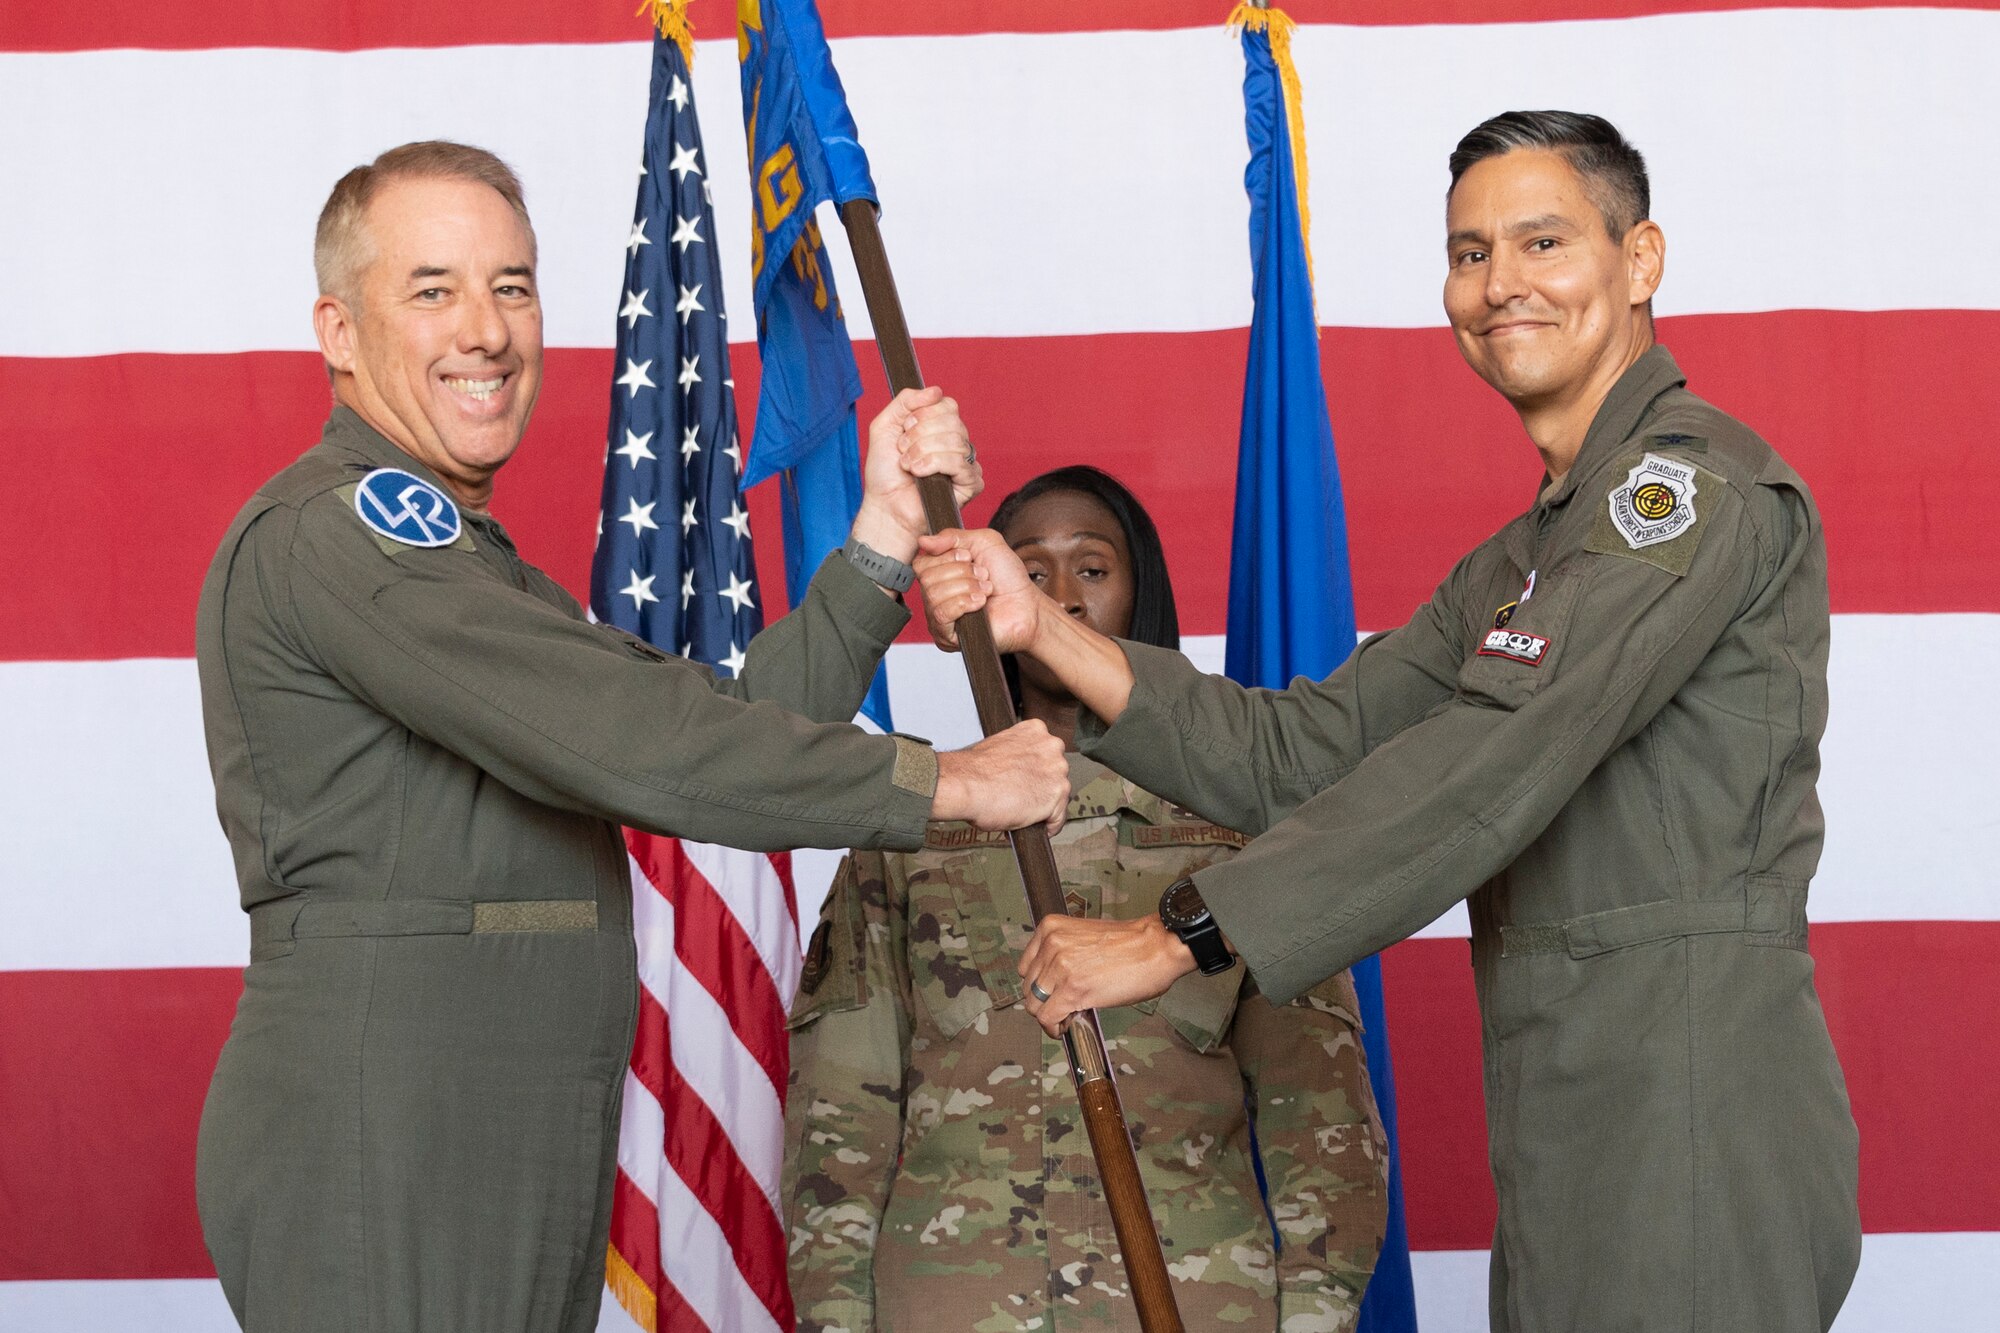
{"x": 1277, "y": 27}
{"x": 671, "y": 18}
{"x": 631, "y": 1291}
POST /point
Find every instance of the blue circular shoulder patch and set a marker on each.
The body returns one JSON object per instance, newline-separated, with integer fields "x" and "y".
{"x": 406, "y": 508}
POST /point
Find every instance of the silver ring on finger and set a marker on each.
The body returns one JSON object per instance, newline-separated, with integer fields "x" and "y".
{"x": 1035, "y": 989}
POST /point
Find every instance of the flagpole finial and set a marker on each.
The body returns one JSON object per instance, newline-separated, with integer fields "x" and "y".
{"x": 671, "y": 18}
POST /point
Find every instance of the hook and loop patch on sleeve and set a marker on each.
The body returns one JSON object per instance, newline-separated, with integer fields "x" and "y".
{"x": 406, "y": 509}
{"x": 1653, "y": 516}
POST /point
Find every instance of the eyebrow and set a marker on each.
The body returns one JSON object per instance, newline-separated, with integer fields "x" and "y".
{"x": 422, "y": 271}
{"x": 1544, "y": 222}
{"x": 1038, "y": 540}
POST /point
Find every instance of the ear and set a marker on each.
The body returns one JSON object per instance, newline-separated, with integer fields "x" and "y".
{"x": 1645, "y": 260}
{"x": 335, "y": 326}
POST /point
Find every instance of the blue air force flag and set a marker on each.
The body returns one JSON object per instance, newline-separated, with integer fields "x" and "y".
{"x": 1291, "y": 601}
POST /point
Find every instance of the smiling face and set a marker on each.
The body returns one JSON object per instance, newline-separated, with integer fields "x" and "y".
{"x": 1075, "y": 551}
{"x": 1544, "y": 303}
{"x": 442, "y": 349}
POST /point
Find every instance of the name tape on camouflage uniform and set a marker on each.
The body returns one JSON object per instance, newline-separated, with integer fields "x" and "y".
{"x": 406, "y": 508}
{"x": 1656, "y": 503}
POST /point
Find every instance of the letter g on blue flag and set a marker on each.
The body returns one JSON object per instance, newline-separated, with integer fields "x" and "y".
{"x": 804, "y": 151}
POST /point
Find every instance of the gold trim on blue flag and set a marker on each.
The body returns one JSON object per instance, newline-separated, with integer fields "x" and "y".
{"x": 1277, "y": 25}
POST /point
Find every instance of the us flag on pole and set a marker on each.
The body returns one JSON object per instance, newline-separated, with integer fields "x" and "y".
{"x": 696, "y": 1239}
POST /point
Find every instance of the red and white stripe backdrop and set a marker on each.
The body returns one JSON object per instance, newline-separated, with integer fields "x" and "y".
{"x": 1065, "y": 210}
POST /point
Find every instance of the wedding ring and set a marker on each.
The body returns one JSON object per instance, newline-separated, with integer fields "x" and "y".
{"x": 1035, "y": 989}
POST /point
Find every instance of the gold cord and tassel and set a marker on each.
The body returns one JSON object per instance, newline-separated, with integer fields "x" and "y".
{"x": 671, "y": 18}
{"x": 1276, "y": 25}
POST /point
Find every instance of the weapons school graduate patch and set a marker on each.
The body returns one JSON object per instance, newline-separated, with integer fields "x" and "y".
{"x": 1656, "y": 503}
{"x": 1651, "y": 516}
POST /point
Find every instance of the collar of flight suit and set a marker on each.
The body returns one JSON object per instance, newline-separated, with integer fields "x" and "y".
{"x": 1653, "y": 374}
{"x": 347, "y": 430}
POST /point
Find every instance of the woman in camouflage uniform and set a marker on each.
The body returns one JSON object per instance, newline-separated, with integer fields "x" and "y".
{"x": 937, "y": 1174}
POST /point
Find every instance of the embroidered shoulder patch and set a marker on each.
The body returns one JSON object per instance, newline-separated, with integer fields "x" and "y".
{"x": 1656, "y": 503}
{"x": 405, "y": 508}
{"x": 1653, "y": 516}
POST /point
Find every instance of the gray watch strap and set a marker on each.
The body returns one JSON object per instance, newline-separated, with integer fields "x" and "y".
{"x": 889, "y": 573}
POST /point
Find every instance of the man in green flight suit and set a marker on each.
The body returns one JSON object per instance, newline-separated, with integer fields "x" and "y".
{"x": 422, "y": 750}
{"x": 1603, "y": 729}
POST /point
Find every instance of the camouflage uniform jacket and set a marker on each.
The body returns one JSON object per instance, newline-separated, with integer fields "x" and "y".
{"x": 937, "y": 1174}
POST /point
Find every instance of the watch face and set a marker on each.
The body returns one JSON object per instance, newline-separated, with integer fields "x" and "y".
{"x": 1182, "y": 906}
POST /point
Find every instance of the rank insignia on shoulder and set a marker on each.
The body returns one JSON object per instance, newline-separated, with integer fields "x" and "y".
{"x": 1674, "y": 439}
{"x": 405, "y": 508}
{"x": 1528, "y": 649}
{"x": 1656, "y": 503}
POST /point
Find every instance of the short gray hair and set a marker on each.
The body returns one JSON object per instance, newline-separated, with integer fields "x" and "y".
{"x": 1613, "y": 172}
{"x": 339, "y": 243}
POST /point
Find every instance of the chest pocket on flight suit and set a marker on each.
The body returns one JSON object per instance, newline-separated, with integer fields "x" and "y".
{"x": 1507, "y": 663}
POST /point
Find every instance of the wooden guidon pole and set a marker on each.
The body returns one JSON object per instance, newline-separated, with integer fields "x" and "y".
{"x": 1103, "y": 1117}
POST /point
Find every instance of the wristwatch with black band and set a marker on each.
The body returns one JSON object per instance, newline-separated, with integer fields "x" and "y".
{"x": 887, "y": 571}
{"x": 1183, "y": 912}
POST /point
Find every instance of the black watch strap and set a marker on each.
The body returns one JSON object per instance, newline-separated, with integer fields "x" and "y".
{"x": 887, "y": 571}
{"x": 1183, "y": 912}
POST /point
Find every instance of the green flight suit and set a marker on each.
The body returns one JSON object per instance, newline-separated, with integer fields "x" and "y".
{"x": 937, "y": 1172}
{"x": 1604, "y": 730}
{"x": 421, "y": 757}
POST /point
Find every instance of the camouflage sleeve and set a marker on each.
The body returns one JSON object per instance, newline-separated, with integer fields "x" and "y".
{"x": 844, "y": 1109}
{"x": 1324, "y": 1154}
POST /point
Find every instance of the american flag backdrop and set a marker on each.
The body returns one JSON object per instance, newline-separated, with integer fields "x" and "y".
{"x": 695, "y": 1234}
{"x": 1063, "y": 200}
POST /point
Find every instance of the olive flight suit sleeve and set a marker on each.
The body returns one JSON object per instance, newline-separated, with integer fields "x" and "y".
{"x": 851, "y": 1029}
{"x": 1438, "y": 808}
{"x": 1319, "y": 1137}
{"x": 571, "y": 714}
{"x": 819, "y": 659}
{"x": 1195, "y": 738}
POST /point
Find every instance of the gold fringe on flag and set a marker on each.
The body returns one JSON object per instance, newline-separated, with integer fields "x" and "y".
{"x": 1277, "y": 27}
{"x": 639, "y": 1300}
{"x": 671, "y": 18}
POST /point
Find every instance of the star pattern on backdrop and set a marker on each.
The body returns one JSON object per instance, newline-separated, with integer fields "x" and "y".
{"x": 674, "y": 452}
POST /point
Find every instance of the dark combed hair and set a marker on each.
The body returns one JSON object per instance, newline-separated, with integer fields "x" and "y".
{"x": 1613, "y": 172}
{"x": 1154, "y": 619}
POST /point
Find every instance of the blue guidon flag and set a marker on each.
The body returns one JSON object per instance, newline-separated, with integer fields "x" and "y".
{"x": 804, "y": 151}
{"x": 673, "y": 562}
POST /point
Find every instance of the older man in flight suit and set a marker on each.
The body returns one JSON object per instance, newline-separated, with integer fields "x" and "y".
{"x": 1604, "y": 730}
{"x": 422, "y": 750}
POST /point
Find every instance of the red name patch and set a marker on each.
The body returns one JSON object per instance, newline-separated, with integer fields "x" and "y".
{"x": 1515, "y": 646}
